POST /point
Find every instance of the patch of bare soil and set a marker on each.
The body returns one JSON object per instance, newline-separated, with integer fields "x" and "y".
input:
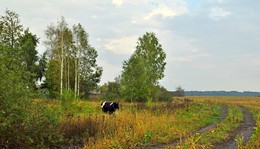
{"x": 223, "y": 115}
{"x": 246, "y": 129}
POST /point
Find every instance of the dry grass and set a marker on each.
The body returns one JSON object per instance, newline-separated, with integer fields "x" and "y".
{"x": 137, "y": 125}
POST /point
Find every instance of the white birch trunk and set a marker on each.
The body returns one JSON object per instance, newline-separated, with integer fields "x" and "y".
{"x": 76, "y": 76}
{"x": 61, "y": 69}
{"x": 68, "y": 83}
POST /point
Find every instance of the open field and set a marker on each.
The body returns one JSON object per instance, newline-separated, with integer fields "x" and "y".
{"x": 178, "y": 124}
{"x": 190, "y": 122}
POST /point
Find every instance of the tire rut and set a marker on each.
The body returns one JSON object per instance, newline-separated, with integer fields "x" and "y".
{"x": 224, "y": 114}
{"x": 246, "y": 129}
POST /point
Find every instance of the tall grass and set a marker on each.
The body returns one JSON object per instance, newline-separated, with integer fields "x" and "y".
{"x": 137, "y": 125}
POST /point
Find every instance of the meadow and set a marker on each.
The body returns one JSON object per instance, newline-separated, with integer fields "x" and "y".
{"x": 150, "y": 125}
{"x": 187, "y": 122}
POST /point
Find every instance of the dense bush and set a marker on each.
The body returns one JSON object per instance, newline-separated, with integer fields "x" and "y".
{"x": 23, "y": 123}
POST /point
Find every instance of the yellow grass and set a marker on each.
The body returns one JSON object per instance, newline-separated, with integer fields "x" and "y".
{"x": 136, "y": 125}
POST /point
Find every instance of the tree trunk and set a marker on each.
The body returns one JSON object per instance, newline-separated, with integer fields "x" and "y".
{"x": 61, "y": 69}
{"x": 76, "y": 76}
{"x": 68, "y": 83}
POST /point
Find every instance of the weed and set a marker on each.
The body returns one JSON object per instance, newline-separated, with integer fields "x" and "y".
{"x": 239, "y": 140}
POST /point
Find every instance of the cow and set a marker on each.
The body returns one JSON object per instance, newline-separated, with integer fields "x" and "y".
{"x": 109, "y": 107}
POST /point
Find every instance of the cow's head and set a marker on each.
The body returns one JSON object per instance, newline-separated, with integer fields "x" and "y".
{"x": 116, "y": 105}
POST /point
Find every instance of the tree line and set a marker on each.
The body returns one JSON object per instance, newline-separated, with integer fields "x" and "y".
{"x": 69, "y": 62}
{"x": 72, "y": 60}
{"x": 68, "y": 70}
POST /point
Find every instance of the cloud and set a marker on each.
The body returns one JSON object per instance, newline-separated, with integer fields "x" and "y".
{"x": 217, "y": 1}
{"x": 164, "y": 11}
{"x": 124, "y": 45}
{"x": 110, "y": 71}
{"x": 190, "y": 58}
{"x": 117, "y": 2}
{"x": 218, "y": 13}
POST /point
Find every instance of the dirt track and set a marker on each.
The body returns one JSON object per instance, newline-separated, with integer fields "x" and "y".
{"x": 246, "y": 129}
{"x": 223, "y": 115}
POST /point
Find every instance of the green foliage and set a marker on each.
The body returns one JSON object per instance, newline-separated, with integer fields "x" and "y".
{"x": 11, "y": 30}
{"x": 67, "y": 101}
{"x": 143, "y": 70}
{"x": 52, "y": 78}
{"x": 89, "y": 72}
{"x": 41, "y": 70}
{"x": 133, "y": 84}
{"x": 164, "y": 95}
{"x": 23, "y": 123}
{"x": 111, "y": 91}
{"x": 75, "y": 60}
{"x": 28, "y": 43}
{"x": 179, "y": 92}
{"x": 147, "y": 137}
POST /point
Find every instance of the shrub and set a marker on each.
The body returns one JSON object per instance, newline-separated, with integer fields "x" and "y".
{"x": 23, "y": 123}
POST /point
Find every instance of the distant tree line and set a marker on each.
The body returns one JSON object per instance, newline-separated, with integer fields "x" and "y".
{"x": 222, "y": 93}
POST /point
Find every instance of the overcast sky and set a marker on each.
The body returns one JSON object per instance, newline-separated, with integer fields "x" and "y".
{"x": 210, "y": 44}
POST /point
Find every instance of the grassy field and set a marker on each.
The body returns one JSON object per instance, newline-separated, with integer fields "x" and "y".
{"x": 139, "y": 125}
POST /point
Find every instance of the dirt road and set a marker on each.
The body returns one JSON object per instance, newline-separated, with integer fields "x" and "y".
{"x": 246, "y": 129}
{"x": 223, "y": 115}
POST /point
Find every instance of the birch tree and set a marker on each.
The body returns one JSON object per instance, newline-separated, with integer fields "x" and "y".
{"x": 146, "y": 65}
{"x": 76, "y": 58}
{"x": 87, "y": 72}
{"x": 56, "y": 45}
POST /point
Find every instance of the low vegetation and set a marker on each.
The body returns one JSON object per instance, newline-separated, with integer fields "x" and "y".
{"x": 83, "y": 124}
{"x": 252, "y": 103}
{"x": 215, "y": 135}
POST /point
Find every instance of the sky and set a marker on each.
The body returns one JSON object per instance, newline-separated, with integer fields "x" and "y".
{"x": 210, "y": 44}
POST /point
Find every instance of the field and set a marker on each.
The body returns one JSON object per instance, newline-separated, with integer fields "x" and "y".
{"x": 190, "y": 122}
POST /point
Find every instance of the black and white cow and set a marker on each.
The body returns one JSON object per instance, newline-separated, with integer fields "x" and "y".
{"x": 109, "y": 107}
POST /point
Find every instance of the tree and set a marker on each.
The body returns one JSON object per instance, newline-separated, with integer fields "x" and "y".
{"x": 53, "y": 78}
{"x": 111, "y": 90}
{"x": 75, "y": 57}
{"x": 179, "y": 92}
{"x": 56, "y": 36}
{"x": 133, "y": 83}
{"x": 10, "y": 29}
{"x": 10, "y": 32}
{"x": 164, "y": 95}
{"x": 42, "y": 66}
{"x": 90, "y": 72}
{"x": 144, "y": 69}
{"x": 18, "y": 113}
{"x": 28, "y": 43}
